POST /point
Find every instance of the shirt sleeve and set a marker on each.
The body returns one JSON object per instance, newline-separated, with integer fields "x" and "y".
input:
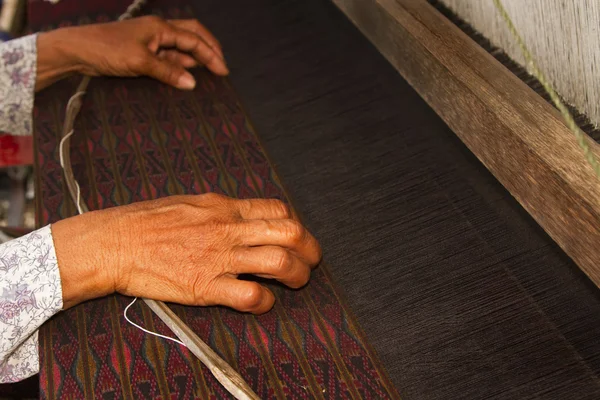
{"x": 31, "y": 293}
{"x": 18, "y": 68}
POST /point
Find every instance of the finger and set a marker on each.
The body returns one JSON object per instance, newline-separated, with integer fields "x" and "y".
{"x": 244, "y": 296}
{"x": 189, "y": 42}
{"x": 295, "y": 216}
{"x": 169, "y": 73}
{"x": 284, "y": 233}
{"x": 271, "y": 262}
{"x": 263, "y": 209}
{"x": 196, "y": 27}
{"x": 178, "y": 58}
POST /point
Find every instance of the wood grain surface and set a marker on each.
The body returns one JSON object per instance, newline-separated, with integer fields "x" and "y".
{"x": 515, "y": 133}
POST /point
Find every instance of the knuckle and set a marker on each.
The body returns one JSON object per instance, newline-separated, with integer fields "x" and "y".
{"x": 251, "y": 298}
{"x": 214, "y": 198}
{"x": 282, "y": 208}
{"x": 281, "y": 261}
{"x": 238, "y": 256}
{"x": 210, "y": 196}
{"x": 294, "y": 232}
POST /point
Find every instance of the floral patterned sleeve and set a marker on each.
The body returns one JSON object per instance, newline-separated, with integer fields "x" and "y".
{"x": 30, "y": 283}
{"x": 18, "y": 63}
{"x": 31, "y": 293}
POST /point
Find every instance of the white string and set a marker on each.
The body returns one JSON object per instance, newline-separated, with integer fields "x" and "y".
{"x": 134, "y": 7}
{"x": 61, "y": 146}
{"x": 61, "y": 150}
{"x": 62, "y": 164}
{"x": 72, "y": 99}
{"x": 146, "y": 330}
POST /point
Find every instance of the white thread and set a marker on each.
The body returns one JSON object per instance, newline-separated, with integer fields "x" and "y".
{"x": 62, "y": 164}
{"x": 135, "y": 6}
{"x": 61, "y": 150}
{"x": 76, "y": 95}
{"x": 146, "y": 330}
{"x": 61, "y": 146}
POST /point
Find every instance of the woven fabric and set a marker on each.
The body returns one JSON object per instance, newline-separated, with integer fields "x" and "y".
{"x": 459, "y": 291}
{"x": 136, "y": 140}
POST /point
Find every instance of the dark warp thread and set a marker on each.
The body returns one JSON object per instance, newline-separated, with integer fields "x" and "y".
{"x": 459, "y": 291}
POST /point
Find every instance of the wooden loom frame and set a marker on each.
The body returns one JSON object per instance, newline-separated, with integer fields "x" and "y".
{"x": 512, "y": 130}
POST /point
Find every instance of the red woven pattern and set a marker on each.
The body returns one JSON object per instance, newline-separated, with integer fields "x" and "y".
{"x": 139, "y": 140}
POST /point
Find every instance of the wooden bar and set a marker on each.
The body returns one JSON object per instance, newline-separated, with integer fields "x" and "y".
{"x": 515, "y": 133}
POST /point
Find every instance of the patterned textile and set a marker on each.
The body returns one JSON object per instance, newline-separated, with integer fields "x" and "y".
{"x": 29, "y": 277}
{"x": 17, "y": 82}
{"x": 135, "y": 140}
{"x": 31, "y": 293}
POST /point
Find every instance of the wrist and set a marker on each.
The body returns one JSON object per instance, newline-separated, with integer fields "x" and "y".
{"x": 56, "y": 57}
{"x": 87, "y": 250}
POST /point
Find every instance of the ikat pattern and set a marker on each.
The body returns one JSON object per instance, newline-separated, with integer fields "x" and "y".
{"x": 135, "y": 140}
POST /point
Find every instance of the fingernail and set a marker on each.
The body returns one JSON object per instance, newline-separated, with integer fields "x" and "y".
{"x": 186, "y": 82}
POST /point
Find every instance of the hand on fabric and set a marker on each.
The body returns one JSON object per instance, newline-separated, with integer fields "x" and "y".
{"x": 185, "y": 249}
{"x": 142, "y": 46}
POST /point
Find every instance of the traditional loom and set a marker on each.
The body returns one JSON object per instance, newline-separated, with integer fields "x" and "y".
{"x": 436, "y": 282}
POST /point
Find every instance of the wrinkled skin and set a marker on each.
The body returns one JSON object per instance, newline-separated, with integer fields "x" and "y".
{"x": 146, "y": 46}
{"x": 184, "y": 249}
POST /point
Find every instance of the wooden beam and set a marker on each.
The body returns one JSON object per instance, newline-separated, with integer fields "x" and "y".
{"x": 515, "y": 133}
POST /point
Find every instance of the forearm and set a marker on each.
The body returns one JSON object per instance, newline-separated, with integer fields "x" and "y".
{"x": 27, "y": 65}
{"x": 86, "y": 250}
{"x": 45, "y": 272}
{"x": 55, "y": 59}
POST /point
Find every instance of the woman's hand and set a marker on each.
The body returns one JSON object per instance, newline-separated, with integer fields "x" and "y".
{"x": 185, "y": 249}
{"x": 141, "y": 46}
